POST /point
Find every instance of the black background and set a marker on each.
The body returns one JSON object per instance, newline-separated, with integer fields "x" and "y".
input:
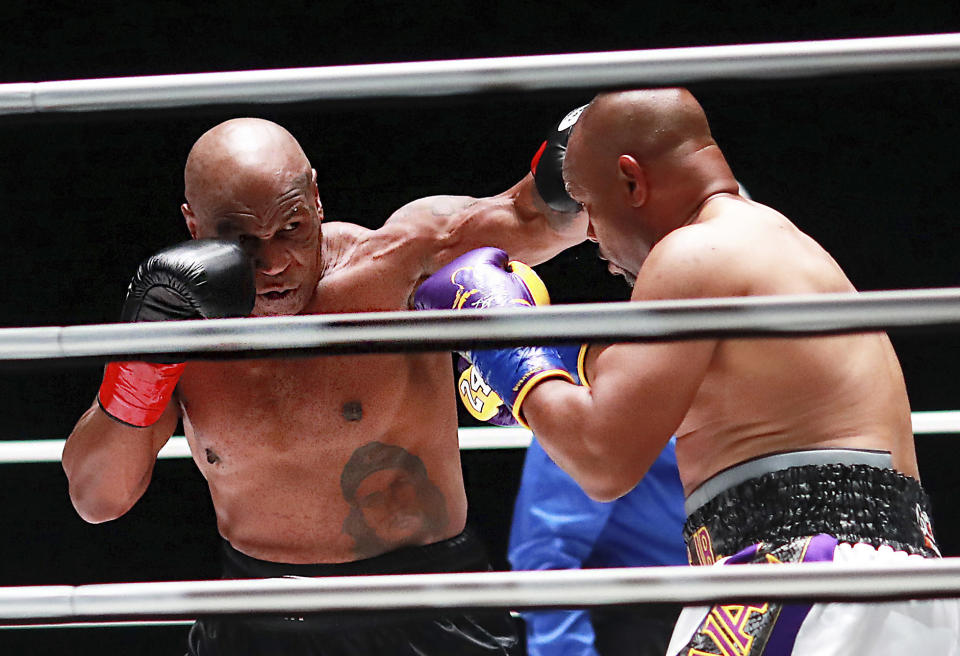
{"x": 865, "y": 164}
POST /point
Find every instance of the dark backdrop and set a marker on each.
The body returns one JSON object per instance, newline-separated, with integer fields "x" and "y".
{"x": 866, "y": 165}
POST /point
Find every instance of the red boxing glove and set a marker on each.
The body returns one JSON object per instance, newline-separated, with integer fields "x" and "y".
{"x": 201, "y": 279}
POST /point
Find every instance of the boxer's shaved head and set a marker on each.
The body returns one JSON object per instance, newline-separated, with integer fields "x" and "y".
{"x": 647, "y": 124}
{"x": 238, "y": 152}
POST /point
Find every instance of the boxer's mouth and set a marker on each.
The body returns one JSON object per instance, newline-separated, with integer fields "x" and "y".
{"x": 276, "y": 295}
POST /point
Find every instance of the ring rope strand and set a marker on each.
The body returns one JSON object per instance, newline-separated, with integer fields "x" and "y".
{"x": 925, "y": 578}
{"x": 435, "y": 330}
{"x": 489, "y": 75}
{"x": 937, "y": 422}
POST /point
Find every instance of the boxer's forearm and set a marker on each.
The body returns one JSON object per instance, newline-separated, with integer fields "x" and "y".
{"x": 109, "y": 464}
{"x": 582, "y": 440}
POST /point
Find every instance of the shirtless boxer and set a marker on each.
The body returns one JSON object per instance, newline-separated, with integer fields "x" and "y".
{"x": 319, "y": 466}
{"x": 788, "y": 449}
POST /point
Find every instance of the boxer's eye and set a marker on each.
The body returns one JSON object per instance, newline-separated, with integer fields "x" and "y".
{"x": 290, "y": 227}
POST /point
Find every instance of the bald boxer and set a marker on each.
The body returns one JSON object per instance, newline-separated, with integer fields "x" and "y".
{"x": 788, "y": 449}
{"x": 316, "y": 466}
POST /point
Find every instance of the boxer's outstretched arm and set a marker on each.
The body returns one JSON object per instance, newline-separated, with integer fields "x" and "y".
{"x": 533, "y": 220}
{"x": 109, "y": 463}
{"x": 516, "y": 221}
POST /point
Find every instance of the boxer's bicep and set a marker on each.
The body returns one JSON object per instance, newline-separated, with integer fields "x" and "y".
{"x": 608, "y": 435}
{"x": 109, "y": 464}
{"x": 642, "y": 392}
{"x": 430, "y": 232}
{"x": 442, "y": 228}
{"x": 652, "y": 385}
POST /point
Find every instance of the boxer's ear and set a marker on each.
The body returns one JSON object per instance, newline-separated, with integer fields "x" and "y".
{"x": 633, "y": 179}
{"x": 316, "y": 193}
{"x": 190, "y": 218}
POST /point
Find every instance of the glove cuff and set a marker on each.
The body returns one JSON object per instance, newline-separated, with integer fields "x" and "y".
{"x": 137, "y": 393}
{"x": 532, "y": 382}
{"x": 573, "y": 357}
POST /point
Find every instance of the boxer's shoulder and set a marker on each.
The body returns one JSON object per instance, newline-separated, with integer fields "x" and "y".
{"x": 697, "y": 260}
{"x": 340, "y": 243}
{"x": 364, "y": 270}
{"x": 343, "y": 233}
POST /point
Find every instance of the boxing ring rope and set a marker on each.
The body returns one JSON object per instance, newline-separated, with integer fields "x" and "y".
{"x": 440, "y": 330}
{"x": 513, "y": 590}
{"x": 771, "y": 316}
{"x": 938, "y": 422}
{"x": 504, "y": 74}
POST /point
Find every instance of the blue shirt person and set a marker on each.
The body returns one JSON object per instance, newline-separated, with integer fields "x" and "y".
{"x": 557, "y": 526}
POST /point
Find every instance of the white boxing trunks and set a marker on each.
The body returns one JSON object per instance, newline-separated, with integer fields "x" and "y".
{"x": 763, "y": 512}
{"x": 835, "y": 629}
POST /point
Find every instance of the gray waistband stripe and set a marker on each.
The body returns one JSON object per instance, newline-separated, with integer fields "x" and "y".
{"x": 737, "y": 474}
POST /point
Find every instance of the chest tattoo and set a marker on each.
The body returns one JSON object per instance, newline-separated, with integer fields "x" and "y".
{"x": 212, "y": 457}
{"x": 352, "y": 411}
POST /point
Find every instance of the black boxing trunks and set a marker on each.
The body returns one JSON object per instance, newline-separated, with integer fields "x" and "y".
{"x": 358, "y": 633}
{"x": 839, "y": 505}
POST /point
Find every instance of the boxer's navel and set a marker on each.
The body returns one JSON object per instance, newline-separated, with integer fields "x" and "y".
{"x": 352, "y": 411}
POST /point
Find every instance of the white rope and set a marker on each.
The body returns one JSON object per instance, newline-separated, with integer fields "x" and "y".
{"x": 943, "y": 422}
{"x": 50, "y": 450}
{"x": 101, "y": 625}
{"x": 939, "y": 422}
{"x": 507, "y": 74}
{"x": 435, "y": 330}
{"x": 920, "y": 578}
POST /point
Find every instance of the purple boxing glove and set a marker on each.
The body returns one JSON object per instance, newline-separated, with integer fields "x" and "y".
{"x": 484, "y": 278}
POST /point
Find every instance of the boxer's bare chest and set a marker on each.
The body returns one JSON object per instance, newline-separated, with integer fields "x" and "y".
{"x": 318, "y": 405}
{"x": 290, "y": 446}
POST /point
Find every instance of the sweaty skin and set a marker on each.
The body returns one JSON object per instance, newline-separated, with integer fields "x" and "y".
{"x": 279, "y": 440}
{"x": 663, "y": 205}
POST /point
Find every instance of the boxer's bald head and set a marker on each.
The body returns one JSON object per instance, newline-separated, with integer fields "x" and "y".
{"x": 657, "y": 128}
{"x": 239, "y": 152}
{"x": 641, "y": 162}
{"x": 645, "y": 123}
{"x": 249, "y": 180}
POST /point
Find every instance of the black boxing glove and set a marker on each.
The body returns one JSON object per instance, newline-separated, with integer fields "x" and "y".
{"x": 204, "y": 278}
{"x": 547, "y": 166}
{"x": 200, "y": 278}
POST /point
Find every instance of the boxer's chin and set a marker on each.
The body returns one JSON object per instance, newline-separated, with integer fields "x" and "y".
{"x": 278, "y": 303}
{"x": 626, "y": 275}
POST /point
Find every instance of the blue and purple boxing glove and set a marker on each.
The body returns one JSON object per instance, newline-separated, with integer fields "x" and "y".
{"x": 484, "y": 404}
{"x": 485, "y": 278}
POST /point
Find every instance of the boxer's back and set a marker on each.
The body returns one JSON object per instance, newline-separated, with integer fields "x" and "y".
{"x": 761, "y": 396}
{"x": 337, "y": 458}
